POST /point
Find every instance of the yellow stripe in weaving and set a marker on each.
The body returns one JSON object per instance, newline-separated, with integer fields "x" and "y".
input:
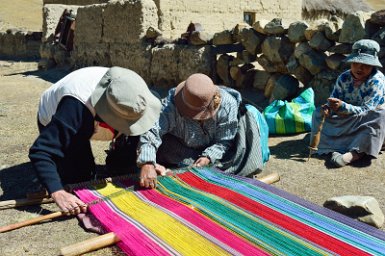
{"x": 171, "y": 231}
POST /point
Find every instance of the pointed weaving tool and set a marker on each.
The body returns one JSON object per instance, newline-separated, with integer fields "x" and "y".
{"x": 315, "y": 140}
{"x": 60, "y": 213}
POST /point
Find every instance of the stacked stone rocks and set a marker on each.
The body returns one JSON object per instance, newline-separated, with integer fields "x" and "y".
{"x": 281, "y": 59}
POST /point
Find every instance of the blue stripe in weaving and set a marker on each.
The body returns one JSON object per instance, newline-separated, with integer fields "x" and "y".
{"x": 330, "y": 226}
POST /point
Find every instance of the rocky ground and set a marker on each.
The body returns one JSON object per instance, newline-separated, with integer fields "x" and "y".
{"x": 20, "y": 87}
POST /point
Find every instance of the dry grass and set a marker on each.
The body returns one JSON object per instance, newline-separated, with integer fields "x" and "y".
{"x": 23, "y": 14}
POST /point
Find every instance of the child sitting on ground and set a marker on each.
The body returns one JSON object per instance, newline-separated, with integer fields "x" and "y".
{"x": 355, "y": 123}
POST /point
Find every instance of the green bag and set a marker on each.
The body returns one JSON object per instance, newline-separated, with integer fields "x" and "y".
{"x": 285, "y": 117}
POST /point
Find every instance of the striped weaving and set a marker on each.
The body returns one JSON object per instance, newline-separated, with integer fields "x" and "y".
{"x": 202, "y": 211}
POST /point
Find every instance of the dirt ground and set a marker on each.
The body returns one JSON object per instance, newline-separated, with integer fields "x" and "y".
{"x": 20, "y": 87}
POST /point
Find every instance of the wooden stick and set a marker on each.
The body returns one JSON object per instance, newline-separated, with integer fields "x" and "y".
{"x": 24, "y": 202}
{"x": 315, "y": 140}
{"x": 270, "y": 178}
{"x": 31, "y": 221}
{"x": 90, "y": 245}
{"x": 41, "y": 197}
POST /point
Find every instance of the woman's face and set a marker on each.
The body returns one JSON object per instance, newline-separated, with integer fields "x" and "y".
{"x": 361, "y": 71}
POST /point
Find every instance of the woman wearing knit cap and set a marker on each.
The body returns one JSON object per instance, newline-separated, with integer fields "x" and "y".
{"x": 198, "y": 125}
{"x": 355, "y": 122}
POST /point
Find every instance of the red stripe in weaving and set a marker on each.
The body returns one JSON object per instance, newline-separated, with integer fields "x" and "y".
{"x": 273, "y": 216}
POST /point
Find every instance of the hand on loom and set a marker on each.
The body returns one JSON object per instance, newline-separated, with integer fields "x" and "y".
{"x": 147, "y": 176}
{"x": 68, "y": 203}
{"x": 201, "y": 161}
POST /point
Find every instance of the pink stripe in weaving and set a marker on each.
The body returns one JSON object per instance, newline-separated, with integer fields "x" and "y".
{"x": 132, "y": 240}
{"x": 203, "y": 223}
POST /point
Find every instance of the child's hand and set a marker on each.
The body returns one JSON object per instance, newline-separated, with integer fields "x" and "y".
{"x": 334, "y": 104}
{"x": 326, "y": 110}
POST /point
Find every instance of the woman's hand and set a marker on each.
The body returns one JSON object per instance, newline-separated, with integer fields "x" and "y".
{"x": 201, "y": 161}
{"x": 68, "y": 203}
{"x": 148, "y": 176}
{"x": 162, "y": 170}
{"x": 334, "y": 104}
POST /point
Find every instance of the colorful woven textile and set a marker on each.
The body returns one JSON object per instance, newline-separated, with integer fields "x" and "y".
{"x": 205, "y": 212}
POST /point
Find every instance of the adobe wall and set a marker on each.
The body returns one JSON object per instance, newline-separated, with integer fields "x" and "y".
{"x": 217, "y": 15}
{"x": 74, "y": 2}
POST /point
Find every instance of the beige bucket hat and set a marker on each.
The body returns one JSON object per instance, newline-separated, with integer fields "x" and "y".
{"x": 123, "y": 100}
{"x": 194, "y": 98}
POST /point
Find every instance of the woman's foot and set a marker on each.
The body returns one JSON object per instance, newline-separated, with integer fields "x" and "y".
{"x": 338, "y": 159}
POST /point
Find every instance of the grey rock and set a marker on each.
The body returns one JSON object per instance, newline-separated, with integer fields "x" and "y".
{"x": 363, "y": 208}
{"x": 296, "y": 31}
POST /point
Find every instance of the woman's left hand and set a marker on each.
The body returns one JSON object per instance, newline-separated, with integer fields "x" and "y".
{"x": 334, "y": 104}
{"x": 201, "y": 161}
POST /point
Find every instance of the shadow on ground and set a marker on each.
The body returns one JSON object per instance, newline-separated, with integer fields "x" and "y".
{"x": 16, "y": 181}
{"x": 294, "y": 149}
{"x": 52, "y": 75}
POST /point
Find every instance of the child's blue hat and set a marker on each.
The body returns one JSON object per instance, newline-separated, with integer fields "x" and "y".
{"x": 365, "y": 51}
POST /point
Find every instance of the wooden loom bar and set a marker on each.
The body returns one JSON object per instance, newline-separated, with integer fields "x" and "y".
{"x": 31, "y": 221}
{"x": 90, "y": 244}
{"x": 270, "y": 178}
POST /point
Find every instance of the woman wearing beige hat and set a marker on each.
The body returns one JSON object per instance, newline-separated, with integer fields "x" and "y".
{"x": 197, "y": 126}
{"x": 355, "y": 122}
{"x": 74, "y": 110}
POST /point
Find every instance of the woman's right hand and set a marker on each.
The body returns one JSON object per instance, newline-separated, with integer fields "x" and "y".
{"x": 68, "y": 203}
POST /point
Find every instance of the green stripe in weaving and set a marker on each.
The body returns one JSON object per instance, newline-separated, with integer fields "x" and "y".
{"x": 348, "y": 229}
{"x": 260, "y": 232}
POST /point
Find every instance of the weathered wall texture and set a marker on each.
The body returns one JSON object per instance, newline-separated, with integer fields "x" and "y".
{"x": 109, "y": 34}
{"x": 217, "y": 15}
{"x": 74, "y": 2}
{"x": 20, "y": 44}
{"x": 51, "y": 15}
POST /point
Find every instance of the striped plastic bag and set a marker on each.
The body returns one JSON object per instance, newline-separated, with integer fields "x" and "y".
{"x": 285, "y": 117}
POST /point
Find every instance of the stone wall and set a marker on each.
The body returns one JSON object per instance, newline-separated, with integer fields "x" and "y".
{"x": 275, "y": 57}
{"x": 281, "y": 59}
{"x": 217, "y": 15}
{"x": 19, "y": 44}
